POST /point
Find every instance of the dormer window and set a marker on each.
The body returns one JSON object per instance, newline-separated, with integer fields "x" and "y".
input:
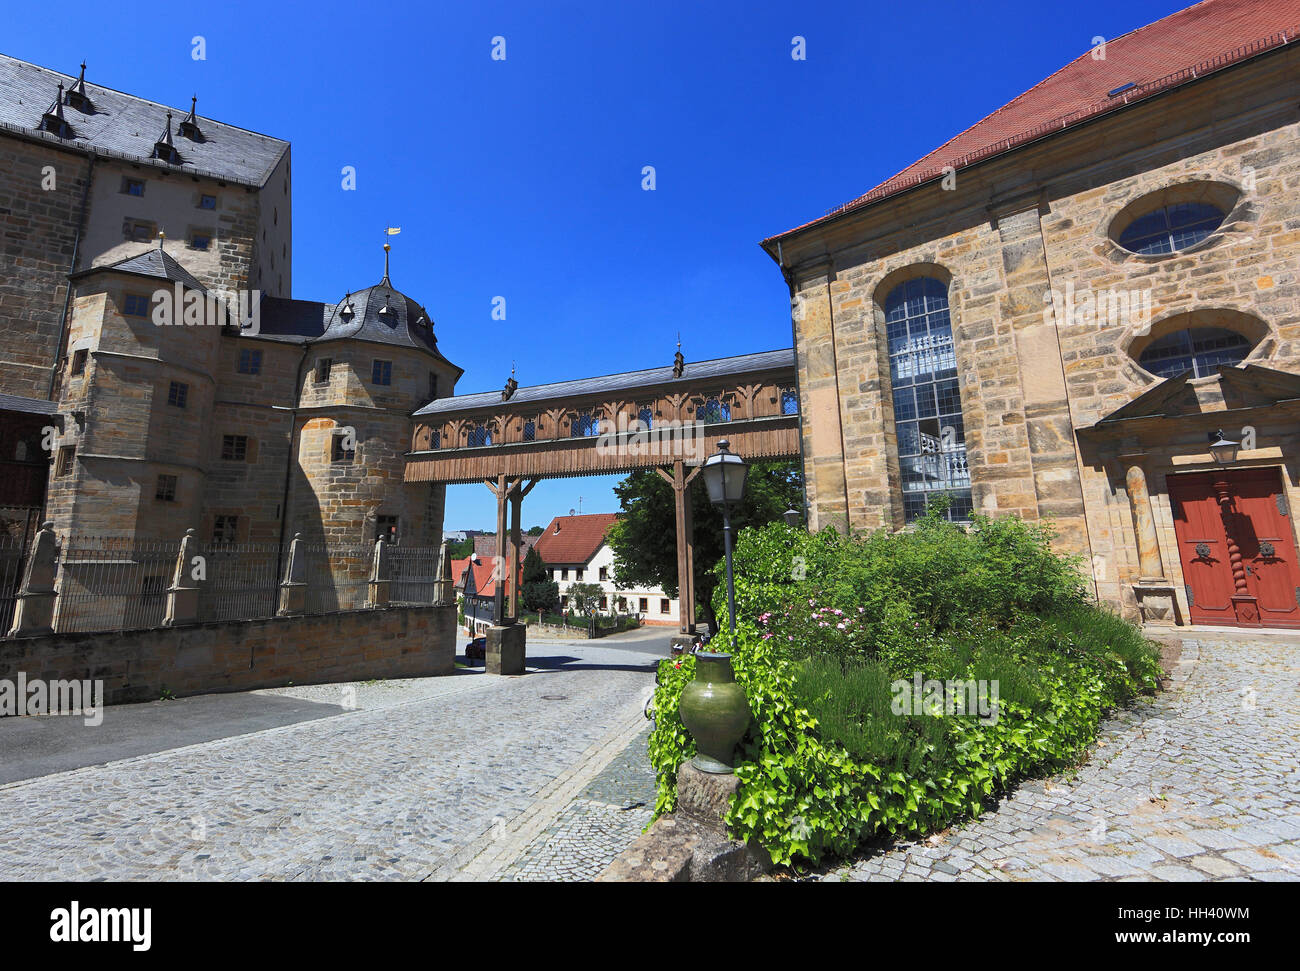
{"x": 165, "y": 148}
{"x": 76, "y": 96}
{"x": 189, "y": 128}
{"x": 346, "y": 312}
{"x": 53, "y": 121}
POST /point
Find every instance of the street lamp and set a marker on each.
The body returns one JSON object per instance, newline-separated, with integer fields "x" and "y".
{"x": 1223, "y": 450}
{"x": 724, "y": 474}
{"x": 791, "y": 517}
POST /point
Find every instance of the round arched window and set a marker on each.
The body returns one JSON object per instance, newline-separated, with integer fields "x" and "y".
{"x": 1196, "y": 349}
{"x": 1171, "y": 228}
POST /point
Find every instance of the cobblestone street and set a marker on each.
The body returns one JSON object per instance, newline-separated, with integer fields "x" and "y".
{"x": 1200, "y": 783}
{"x": 446, "y": 778}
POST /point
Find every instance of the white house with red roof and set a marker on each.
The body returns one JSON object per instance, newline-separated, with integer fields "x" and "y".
{"x": 575, "y": 550}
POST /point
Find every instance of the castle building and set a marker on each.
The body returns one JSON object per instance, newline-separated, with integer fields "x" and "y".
{"x": 1056, "y": 313}
{"x": 146, "y": 312}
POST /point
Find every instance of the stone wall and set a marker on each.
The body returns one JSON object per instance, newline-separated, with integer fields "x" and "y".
{"x": 389, "y": 642}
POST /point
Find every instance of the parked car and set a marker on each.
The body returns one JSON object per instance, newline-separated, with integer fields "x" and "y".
{"x": 476, "y": 649}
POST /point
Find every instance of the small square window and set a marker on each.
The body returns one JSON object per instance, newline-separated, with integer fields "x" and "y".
{"x": 339, "y": 450}
{"x": 381, "y": 372}
{"x": 224, "y": 529}
{"x": 323, "y": 370}
{"x": 386, "y": 527}
{"x": 67, "y": 455}
{"x": 79, "y": 361}
{"x": 166, "y": 491}
{"x": 645, "y": 605}
{"x": 133, "y": 187}
{"x": 201, "y": 241}
{"x": 250, "y": 361}
{"x": 207, "y": 202}
{"x": 663, "y": 605}
{"x": 140, "y": 231}
{"x": 234, "y": 448}
{"x": 604, "y": 573}
{"x": 178, "y": 394}
{"x": 135, "y": 305}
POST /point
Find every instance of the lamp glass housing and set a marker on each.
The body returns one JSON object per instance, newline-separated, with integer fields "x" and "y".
{"x": 724, "y": 475}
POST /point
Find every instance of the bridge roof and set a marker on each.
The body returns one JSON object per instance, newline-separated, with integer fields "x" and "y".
{"x": 694, "y": 372}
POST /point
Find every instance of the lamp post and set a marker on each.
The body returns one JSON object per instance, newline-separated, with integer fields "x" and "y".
{"x": 791, "y": 517}
{"x": 724, "y": 475}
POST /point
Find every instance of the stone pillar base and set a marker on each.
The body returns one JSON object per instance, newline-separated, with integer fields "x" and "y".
{"x": 691, "y": 844}
{"x": 293, "y": 599}
{"x": 681, "y": 643}
{"x": 34, "y": 614}
{"x": 504, "y": 652}
{"x": 182, "y": 606}
{"x": 377, "y": 594}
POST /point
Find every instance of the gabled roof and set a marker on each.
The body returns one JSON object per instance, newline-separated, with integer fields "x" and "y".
{"x": 1171, "y": 52}
{"x": 1250, "y": 386}
{"x": 154, "y": 262}
{"x": 127, "y": 127}
{"x": 627, "y": 380}
{"x": 574, "y": 539}
{"x": 481, "y": 571}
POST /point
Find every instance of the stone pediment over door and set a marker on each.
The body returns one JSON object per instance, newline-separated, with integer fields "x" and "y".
{"x": 1237, "y": 388}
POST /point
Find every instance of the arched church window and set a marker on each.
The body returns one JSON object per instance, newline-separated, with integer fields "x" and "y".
{"x": 1196, "y": 349}
{"x": 1171, "y": 228}
{"x": 931, "y": 432}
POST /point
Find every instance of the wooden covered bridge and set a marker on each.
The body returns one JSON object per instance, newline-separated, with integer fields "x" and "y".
{"x": 669, "y": 419}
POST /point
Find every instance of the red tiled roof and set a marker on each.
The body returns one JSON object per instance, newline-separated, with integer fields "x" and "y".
{"x": 483, "y": 568}
{"x": 1155, "y": 58}
{"x": 577, "y": 539}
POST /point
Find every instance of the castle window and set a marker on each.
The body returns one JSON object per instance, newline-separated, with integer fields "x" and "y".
{"x": 67, "y": 456}
{"x": 342, "y": 449}
{"x": 224, "y": 529}
{"x": 166, "y": 491}
{"x": 386, "y": 527}
{"x": 250, "y": 361}
{"x": 234, "y": 448}
{"x": 139, "y": 230}
{"x": 207, "y": 202}
{"x": 79, "y": 361}
{"x": 177, "y": 394}
{"x": 135, "y": 305}
{"x": 930, "y": 431}
{"x": 433, "y": 386}
{"x": 323, "y": 370}
{"x": 381, "y": 372}
{"x": 1196, "y": 349}
{"x": 133, "y": 187}
{"x": 200, "y": 241}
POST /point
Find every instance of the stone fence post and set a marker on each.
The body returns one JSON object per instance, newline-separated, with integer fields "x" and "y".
{"x": 445, "y": 582}
{"x": 35, "y": 610}
{"x": 293, "y": 588}
{"x": 380, "y": 576}
{"x": 183, "y": 594}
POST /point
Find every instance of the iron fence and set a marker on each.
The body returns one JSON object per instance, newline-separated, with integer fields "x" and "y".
{"x": 18, "y": 525}
{"x": 111, "y": 583}
{"x": 242, "y": 581}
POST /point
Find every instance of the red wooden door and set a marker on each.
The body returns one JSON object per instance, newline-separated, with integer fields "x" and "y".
{"x": 1267, "y": 540}
{"x": 1262, "y": 528}
{"x": 1202, "y": 548}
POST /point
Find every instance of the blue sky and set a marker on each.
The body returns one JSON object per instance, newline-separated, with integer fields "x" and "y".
{"x": 522, "y": 178}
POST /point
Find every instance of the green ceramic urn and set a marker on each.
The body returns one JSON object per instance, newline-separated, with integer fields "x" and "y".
{"x": 715, "y": 712}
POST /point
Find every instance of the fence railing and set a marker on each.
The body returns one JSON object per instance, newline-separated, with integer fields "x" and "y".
{"x": 98, "y": 583}
{"x": 18, "y": 525}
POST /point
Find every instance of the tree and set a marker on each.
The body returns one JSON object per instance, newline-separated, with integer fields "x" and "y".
{"x": 584, "y": 598}
{"x": 644, "y": 539}
{"x": 538, "y": 590}
{"x": 461, "y": 548}
{"x": 536, "y": 530}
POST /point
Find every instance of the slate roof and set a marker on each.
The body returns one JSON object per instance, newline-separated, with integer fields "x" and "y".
{"x": 127, "y": 127}
{"x": 1158, "y": 57}
{"x": 30, "y": 406}
{"x": 577, "y": 540}
{"x": 695, "y": 370}
{"x": 153, "y": 262}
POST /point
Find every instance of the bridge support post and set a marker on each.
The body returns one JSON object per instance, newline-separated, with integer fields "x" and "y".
{"x": 681, "y": 483}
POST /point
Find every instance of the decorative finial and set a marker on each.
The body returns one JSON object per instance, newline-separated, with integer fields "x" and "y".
{"x": 161, "y": 236}
{"x": 679, "y": 362}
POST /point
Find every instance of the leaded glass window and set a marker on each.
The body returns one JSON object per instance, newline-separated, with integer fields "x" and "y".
{"x": 1197, "y": 349}
{"x": 928, "y": 419}
{"x": 1171, "y": 228}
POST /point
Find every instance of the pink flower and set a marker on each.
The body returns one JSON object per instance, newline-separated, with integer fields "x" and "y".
{"x": 840, "y": 626}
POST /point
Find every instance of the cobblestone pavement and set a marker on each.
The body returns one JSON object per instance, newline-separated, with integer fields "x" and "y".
{"x": 1200, "y": 783}
{"x": 597, "y": 826}
{"x": 398, "y": 788}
